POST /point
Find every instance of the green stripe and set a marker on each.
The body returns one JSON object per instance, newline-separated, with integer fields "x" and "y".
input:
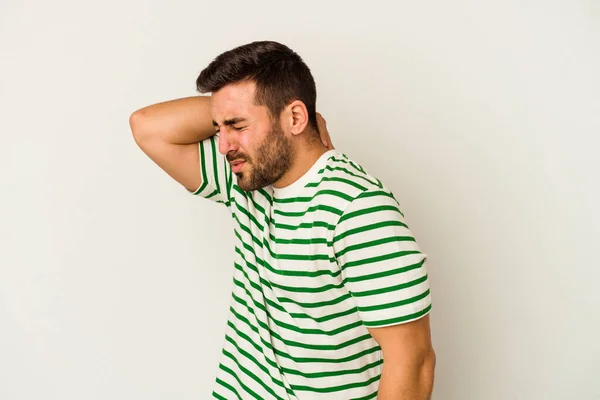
{"x": 317, "y": 207}
{"x": 372, "y": 243}
{"x": 202, "y": 170}
{"x": 251, "y": 375}
{"x": 240, "y": 191}
{"x": 214, "y": 158}
{"x": 244, "y": 386}
{"x": 390, "y": 288}
{"x": 398, "y": 320}
{"x": 385, "y": 257}
{"x": 300, "y": 289}
{"x": 376, "y": 193}
{"x": 346, "y": 161}
{"x": 249, "y": 197}
{"x": 337, "y": 179}
{"x": 247, "y": 338}
{"x": 256, "y": 287}
{"x": 258, "y": 364}
{"x": 382, "y": 274}
{"x": 228, "y": 178}
{"x": 266, "y": 195}
{"x": 251, "y": 358}
{"x": 214, "y": 193}
{"x": 317, "y": 304}
{"x": 324, "y": 318}
{"x": 327, "y": 374}
{"x": 358, "y": 167}
{"x": 251, "y": 217}
{"x": 331, "y": 389}
{"x": 368, "y": 397}
{"x": 228, "y": 386}
{"x": 306, "y": 225}
{"x": 368, "y": 228}
{"x": 382, "y": 193}
{"x": 395, "y": 303}
{"x": 369, "y": 210}
{"x": 218, "y": 396}
{"x": 247, "y": 230}
{"x": 301, "y": 257}
{"x": 300, "y": 241}
{"x": 360, "y": 176}
{"x": 319, "y": 193}
{"x": 330, "y": 359}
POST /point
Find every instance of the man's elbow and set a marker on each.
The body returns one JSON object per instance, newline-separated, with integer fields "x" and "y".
{"x": 136, "y": 123}
{"x": 409, "y": 378}
{"x": 427, "y": 373}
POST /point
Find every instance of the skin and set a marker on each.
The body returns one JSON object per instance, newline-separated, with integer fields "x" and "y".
{"x": 408, "y": 360}
{"x": 274, "y": 151}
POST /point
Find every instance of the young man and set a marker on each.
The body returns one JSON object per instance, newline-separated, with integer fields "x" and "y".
{"x": 330, "y": 298}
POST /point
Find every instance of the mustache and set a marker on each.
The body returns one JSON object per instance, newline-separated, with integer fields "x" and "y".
{"x": 233, "y": 156}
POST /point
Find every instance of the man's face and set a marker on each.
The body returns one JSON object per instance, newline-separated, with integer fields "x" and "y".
{"x": 259, "y": 151}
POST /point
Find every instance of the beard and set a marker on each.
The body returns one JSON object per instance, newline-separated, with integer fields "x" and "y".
{"x": 273, "y": 159}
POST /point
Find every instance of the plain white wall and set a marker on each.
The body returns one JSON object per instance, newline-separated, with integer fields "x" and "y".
{"x": 481, "y": 116}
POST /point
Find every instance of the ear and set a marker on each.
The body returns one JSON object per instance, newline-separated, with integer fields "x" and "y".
{"x": 298, "y": 117}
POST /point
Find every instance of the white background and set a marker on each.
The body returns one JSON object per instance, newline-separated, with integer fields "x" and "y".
{"x": 482, "y": 117}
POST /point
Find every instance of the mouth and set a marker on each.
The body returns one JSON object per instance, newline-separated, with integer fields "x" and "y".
{"x": 236, "y": 166}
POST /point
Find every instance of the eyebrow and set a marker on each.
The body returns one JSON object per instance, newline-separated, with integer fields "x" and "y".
{"x": 230, "y": 121}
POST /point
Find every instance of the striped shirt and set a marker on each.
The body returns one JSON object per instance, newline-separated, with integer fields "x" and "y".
{"x": 316, "y": 264}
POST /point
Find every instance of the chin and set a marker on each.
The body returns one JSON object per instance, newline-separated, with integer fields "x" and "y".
{"x": 242, "y": 182}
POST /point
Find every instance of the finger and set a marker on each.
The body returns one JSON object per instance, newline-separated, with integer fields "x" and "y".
{"x": 320, "y": 120}
{"x": 322, "y": 127}
{"x": 324, "y": 141}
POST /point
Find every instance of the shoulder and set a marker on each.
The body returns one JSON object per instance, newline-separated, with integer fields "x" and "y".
{"x": 345, "y": 175}
{"x": 348, "y": 187}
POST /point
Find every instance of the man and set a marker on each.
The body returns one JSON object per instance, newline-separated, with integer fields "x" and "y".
{"x": 330, "y": 298}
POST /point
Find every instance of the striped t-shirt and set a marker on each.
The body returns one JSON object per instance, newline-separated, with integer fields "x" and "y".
{"x": 316, "y": 264}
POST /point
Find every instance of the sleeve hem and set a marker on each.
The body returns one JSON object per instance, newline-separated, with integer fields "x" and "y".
{"x": 399, "y": 320}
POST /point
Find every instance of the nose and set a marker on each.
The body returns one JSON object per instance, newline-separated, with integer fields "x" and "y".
{"x": 227, "y": 141}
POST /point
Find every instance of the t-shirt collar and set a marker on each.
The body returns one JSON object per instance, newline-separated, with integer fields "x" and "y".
{"x": 296, "y": 187}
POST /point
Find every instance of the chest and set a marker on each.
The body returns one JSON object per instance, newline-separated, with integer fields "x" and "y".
{"x": 287, "y": 239}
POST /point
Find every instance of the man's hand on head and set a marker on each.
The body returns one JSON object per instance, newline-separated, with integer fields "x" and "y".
{"x": 323, "y": 133}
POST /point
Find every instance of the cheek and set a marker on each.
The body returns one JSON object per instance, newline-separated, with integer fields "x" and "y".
{"x": 245, "y": 143}
{"x": 250, "y": 142}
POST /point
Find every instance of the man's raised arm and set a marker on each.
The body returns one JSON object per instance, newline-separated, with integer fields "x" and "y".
{"x": 169, "y": 133}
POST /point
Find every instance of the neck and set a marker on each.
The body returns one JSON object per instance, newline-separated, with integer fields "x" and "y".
{"x": 305, "y": 158}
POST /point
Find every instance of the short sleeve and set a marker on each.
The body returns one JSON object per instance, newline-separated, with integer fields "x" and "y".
{"x": 215, "y": 171}
{"x": 380, "y": 261}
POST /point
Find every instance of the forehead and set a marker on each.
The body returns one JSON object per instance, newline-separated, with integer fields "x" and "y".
{"x": 236, "y": 100}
